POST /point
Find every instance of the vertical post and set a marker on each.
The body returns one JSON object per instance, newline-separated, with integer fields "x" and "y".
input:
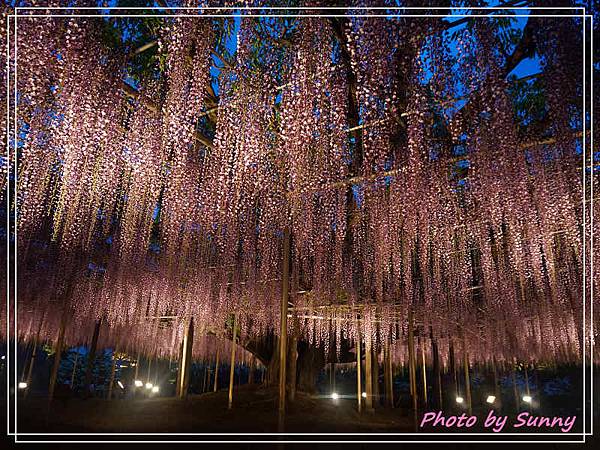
{"x": 149, "y": 368}
{"x": 137, "y": 367}
{"x": 74, "y": 370}
{"x": 332, "y": 376}
{"x": 412, "y": 361}
{"x": 183, "y": 375}
{"x": 205, "y": 377}
{"x": 251, "y": 371}
{"x": 60, "y": 340}
{"x": 232, "y": 366}
{"x": 180, "y": 368}
{"x": 112, "y": 373}
{"x": 292, "y": 362}
{"x": 453, "y": 368}
{"x": 514, "y": 383}
{"x": 358, "y": 367}
{"x": 424, "y": 367}
{"x": 91, "y": 358}
{"x": 30, "y": 368}
{"x": 33, "y": 356}
{"x": 495, "y": 370}
{"x": 527, "y": 391}
{"x": 285, "y": 286}
{"x": 412, "y": 370}
{"x": 368, "y": 374}
{"x": 216, "y": 383}
{"x": 467, "y": 378}
{"x": 437, "y": 375}
{"x": 387, "y": 375}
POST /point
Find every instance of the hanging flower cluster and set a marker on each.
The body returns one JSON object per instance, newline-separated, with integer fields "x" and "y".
{"x": 397, "y": 205}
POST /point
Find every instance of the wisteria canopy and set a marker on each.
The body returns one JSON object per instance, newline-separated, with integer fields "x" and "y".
{"x": 162, "y": 161}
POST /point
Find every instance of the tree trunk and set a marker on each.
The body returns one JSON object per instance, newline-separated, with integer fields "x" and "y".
{"x": 311, "y": 361}
{"x": 292, "y": 363}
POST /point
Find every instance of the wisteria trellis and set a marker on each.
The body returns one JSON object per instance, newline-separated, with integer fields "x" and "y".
{"x": 124, "y": 215}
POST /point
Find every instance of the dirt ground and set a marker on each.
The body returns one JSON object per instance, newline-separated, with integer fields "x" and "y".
{"x": 254, "y": 410}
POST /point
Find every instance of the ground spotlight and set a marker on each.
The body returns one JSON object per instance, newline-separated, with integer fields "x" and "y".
{"x": 138, "y": 383}
{"x": 490, "y": 399}
{"x": 22, "y": 385}
{"x": 120, "y": 384}
{"x": 335, "y": 396}
{"x": 459, "y": 399}
{"x": 527, "y": 398}
{"x": 149, "y": 385}
{"x": 155, "y": 389}
{"x": 364, "y": 395}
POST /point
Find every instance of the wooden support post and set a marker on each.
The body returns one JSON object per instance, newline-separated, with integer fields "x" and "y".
{"x": 232, "y": 366}
{"x": 91, "y": 358}
{"x": 60, "y": 341}
{"x": 358, "y": 367}
{"x": 387, "y": 375}
{"x": 251, "y": 371}
{"x": 185, "y": 361}
{"x": 437, "y": 375}
{"x": 412, "y": 372}
{"x": 112, "y": 373}
{"x": 496, "y": 390}
{"x": 74, "y": 371}
{"x": 292, "y": 367}
{"x": 33, "y": 357}
{"x": 285, "y": 286}
{"x": 368, "y": 374}
{"x": 149, "y": 368}
{"x": 424, "y": 367}
{"x": 375, "y": 376}
{"x": 514, "y": 383}
{"x": 205, "y": 377}
{"x": 216, "y": 383}
{"x": 332, "y": 376}
{"x": 527, "y": 391}
{"x": 137, "y": 367}
{"x": 453, "y": 368}
{"x": 467, "y": 378}
{"x": 30, "y": 368}
{"x": 180, "y": 368}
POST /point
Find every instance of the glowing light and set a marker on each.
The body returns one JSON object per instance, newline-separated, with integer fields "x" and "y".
{"x": 335, "y": 396}
{"x": 149, "y": 385}
{"x": 490, "y": 399}
{"x": 460, "y": 400}
{"x": 120, "y": 384}
{"x": 364, "y": 395}
{"x": 138, "y": 383}
{"x": 22, "y": 385}
{"x": 527, "y": 398}
{"x": 155, "y": 389}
